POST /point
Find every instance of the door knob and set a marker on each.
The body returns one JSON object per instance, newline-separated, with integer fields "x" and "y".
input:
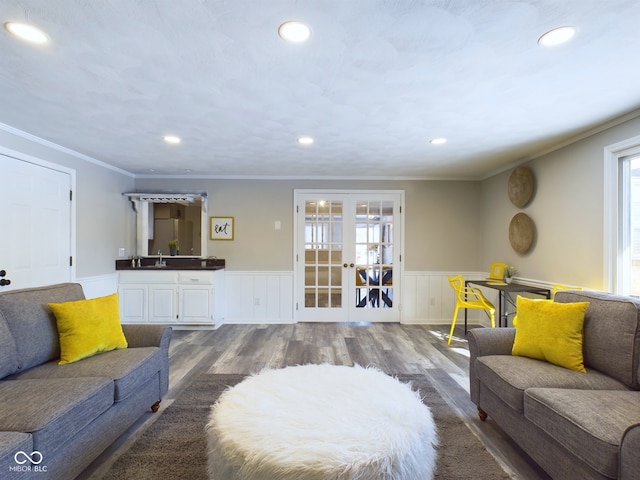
{"x": 352, "y": 265}
{"x": 345, "y": 265}
{"x": 4, "y": 282}
{"x": 3, "y": 273}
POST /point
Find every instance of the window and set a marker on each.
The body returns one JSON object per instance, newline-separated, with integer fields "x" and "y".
{"x": 629, "y": 226}
{"x": 622, "y": 217}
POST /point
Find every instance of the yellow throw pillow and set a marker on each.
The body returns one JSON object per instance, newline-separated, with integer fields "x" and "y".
{"x": 87, "y": 327}
{"x": 550, "y": 331}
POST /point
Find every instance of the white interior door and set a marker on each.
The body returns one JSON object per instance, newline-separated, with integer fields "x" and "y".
{"x": 348, "y": 256}
{"x": 35, "y": 245}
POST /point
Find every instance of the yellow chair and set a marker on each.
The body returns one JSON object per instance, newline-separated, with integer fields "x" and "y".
{"x": 469, "y": 297}
{"x": 557, "y": 287}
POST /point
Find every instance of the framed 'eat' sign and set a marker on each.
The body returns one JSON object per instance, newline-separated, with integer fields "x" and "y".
{"x": 221, "y": 228}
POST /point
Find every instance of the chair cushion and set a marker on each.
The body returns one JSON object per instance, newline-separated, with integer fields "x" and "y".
{"x": 128, "y": 369}
{"x": 509, "y": 376}
{"x": 588, "y": 423}
{"x": 87, "y": 327}
{"x": 53, "y": 410}
{"x": 550, "y": 331}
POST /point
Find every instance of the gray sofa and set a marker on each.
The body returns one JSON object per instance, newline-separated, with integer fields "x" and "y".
{"x": 574, "y": 425}
{"x": 63, "y": 417}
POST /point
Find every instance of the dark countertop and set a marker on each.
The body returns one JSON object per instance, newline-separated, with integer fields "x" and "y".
{"x": 173, "y": 263}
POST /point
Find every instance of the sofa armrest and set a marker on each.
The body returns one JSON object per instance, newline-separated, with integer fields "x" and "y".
{"x": 148, "y": 336}
{"x": 152, "y": 336}
{"x": 484, "y": 342}
{"x": 490, "y": 341}
{"x": 629, "y": 448}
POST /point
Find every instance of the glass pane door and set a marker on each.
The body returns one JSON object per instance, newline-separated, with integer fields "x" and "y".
{"x": 374, "y": 254}
{"x": 347, "y": 257}
{"x": 323, "y": 254}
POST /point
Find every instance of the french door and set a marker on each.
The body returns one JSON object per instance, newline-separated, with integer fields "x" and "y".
{"x": 348, "y": 256}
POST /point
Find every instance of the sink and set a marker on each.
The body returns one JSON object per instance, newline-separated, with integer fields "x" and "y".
{"x": 153, "y": 266}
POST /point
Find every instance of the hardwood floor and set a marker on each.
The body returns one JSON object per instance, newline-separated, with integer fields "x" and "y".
{"x": 393, "y": 348}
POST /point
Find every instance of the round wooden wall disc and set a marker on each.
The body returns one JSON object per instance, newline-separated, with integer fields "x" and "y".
{"x": 521, "y": 186}
{"x": 521, "y": 232}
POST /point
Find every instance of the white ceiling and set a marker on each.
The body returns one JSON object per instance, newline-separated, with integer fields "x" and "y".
{"x": 375, "y": 82}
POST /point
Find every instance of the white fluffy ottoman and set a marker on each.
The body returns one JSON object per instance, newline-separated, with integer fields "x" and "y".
{"x": 321, "y": 422}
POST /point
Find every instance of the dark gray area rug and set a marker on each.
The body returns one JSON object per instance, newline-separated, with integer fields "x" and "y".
{"x": 174, "y": 446}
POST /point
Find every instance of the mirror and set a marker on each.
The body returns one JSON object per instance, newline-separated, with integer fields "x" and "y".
{"x": 164, "y": 217}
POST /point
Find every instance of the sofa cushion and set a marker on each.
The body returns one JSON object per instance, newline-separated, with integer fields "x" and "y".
{"x": 550, "y": 331}
{"x": 8, "y": 350}
{"x": 611, "y": 333}
{"x": 10, "y": 444}
{"x": 128, "y": 369}
{"x": 87, "y": 327}
{"x": 588, "y": 423}
{"x": 509, "y": 376}
{"x": 53, "y": 410}
{"x": 32, "y": 323}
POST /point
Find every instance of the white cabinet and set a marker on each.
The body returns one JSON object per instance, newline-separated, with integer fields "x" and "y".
{"x": 196, "y": 304}
{"x": 196, "y": 291}
{"x": 179, "y": 297}
{"x": 133, "y": 303}
{"x": 163, "y": 304}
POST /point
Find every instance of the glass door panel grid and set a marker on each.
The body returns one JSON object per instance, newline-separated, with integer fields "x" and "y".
{"x": 323, "y": 254}
{"x": 374, "y": 254}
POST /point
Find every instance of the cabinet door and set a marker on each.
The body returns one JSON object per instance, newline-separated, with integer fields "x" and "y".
{"x": 133, "y": 303}
{"x": 196, "y": 304}
{"x": 162, "y": 303}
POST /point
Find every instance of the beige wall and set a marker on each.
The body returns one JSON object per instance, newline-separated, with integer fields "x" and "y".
{"x": 567, "y": 210}
{"x": 442, "y": 225}
{"x": 449, "y": 226}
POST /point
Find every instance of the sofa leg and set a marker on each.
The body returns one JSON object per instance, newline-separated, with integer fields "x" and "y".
{"x": 482, "y": 414}
{"x": 155, "y": 406}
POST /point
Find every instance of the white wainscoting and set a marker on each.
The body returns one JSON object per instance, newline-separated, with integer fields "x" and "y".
{"x": 427, "y": 298}
{"x": 99, "y": 286}
{"x": 267, "y": 297}
{"x": 259, "y": 297}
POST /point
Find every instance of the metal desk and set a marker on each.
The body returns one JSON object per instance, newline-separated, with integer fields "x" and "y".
{"x": 504, "y": 289}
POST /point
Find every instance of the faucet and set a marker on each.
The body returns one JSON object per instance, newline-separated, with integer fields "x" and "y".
{"x": 160, "y": 263}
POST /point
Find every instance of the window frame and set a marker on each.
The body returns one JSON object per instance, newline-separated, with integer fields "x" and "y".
{"x": 616, "y": 197}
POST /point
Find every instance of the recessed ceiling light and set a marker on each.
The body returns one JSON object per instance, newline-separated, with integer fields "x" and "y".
{"x": 305, "y": 140}
{"x": 438, "y": 141}
{"x": 294, "y": 31}
{"x": 556, "y": 36}
{"x": 26, "y": 32}
{"x": 171, "y": 139}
